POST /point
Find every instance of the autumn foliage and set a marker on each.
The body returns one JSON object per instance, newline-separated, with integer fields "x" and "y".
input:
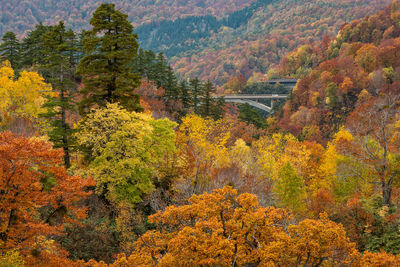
{"x": 37, "y": 195}
{"x": 316, "y": 183}
{"x": 225, "y": 228}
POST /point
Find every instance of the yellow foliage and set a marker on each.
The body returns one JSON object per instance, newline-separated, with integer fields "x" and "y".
{"x": 123, "y": 149}
{"x": 343, "y": 136}
{"x": 276, "y": 150}
{"x": 11, "y": 259}
{"x": 202, "y": 143}
{"x": 23, "y": 96}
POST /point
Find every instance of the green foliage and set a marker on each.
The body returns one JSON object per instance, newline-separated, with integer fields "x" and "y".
{"x": 332, "y": 98}
{"x": 251, "y": 115}
{"x": 384, "y": 232}
{"x": 32, "y": 46}
{"x": 10, "y": 49}
{"x": 109, "y": 49}
{"x": 196, "y": 92}
{"x": 59, "y": 52}
{"x": 210, "y": 107}
{"x": 290, "y": 188}
{"x": 184, "y": 95}
{"x": 122, "y": 149}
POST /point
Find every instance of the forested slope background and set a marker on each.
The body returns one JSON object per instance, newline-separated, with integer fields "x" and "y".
{"x": 20, "y": 15}
{"x": 212, "y": 40}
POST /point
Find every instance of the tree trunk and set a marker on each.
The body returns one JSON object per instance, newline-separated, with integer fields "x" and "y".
{"x": 387, "y": 194}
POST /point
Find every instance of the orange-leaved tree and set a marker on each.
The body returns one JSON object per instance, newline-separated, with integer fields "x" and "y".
{"x": 224, "y": 228}
{"x": 36, "y": 196}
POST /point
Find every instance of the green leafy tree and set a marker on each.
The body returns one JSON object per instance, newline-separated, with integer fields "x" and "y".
{"x": 122, "y": 150}
{"x": 59, "y": 52}
{"x": 109, "y": 48}
{"x": 251, "y": 115}
{"x": 171, "y": 85}
{"x": 10, "y": 49}
{"x": 290, "y": 188}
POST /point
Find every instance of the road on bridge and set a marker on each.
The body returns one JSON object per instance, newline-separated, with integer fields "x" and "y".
{"x": 252, "y": 100}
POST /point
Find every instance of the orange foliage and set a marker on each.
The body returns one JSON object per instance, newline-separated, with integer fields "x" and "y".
{"x": 381, "y": 259}
{"x": 224, "y": 228}
{"x": 151, "y": 98}
{"x": 36, "y": 196}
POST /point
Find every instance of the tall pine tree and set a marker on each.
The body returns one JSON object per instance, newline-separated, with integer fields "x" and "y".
{"x": 209, "y": 106}
{"x": 109, "y": 48}
{"x": 196, "y": 89}
{"x": 10, "y": 49}
{"x": 60, "y": 60}
{"x": 32, "y": 46}
{"x": 184, "y": 97}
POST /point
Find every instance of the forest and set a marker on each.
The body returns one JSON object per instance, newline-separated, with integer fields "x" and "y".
{"x": 20, "y": 15}
{"x": 110, "y": 157}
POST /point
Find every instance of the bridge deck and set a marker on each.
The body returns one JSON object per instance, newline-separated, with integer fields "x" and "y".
{"x": 274, "y": 96}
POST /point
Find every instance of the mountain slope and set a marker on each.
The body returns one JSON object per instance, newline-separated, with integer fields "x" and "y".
{"x": 21, "y": 15}
{"x": 361, "y": 63}
{"x": 214, "y": 39}
{"x": 272, "y": 31}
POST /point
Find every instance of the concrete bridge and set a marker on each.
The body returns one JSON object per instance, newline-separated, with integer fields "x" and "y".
{"x": 252, "y": 100}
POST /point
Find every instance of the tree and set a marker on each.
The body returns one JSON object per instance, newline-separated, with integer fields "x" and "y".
{"x": 203, "y": 145}
{"x": 372, "y": 141}
{"x": 32, "y": 46}
{"x": 59, "y": 49}
{"x": 36, "y": 195}
{"x": 10, "y": 49}
{"x": 209, "y": 107}
{"x": 207, "y": 100}
{"x": 123, "y": 150}
{"x": 367, "y": 57}
{"x": 379, "y": 259}
{"x": 170, "y": 85}
{"x": 109, "y": 48}
{"x": 224, "y": 228}
{"x": 184, "y": 96}
{"x": 251, "y": 115}
{"x": 290, "y": 188}
{"x": 21, "y": 99}
{"x": 196, "y": 89}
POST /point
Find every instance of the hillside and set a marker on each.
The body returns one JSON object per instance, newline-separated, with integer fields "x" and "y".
{"x": 362, "y": 62}
{"x": 212, "y": 40}
{"x": 20, "y": 15}
{"x": 270, "y": 33}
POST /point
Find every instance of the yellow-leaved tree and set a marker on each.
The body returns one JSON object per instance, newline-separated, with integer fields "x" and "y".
{"x": 202, "y": 143}
{"x": 20, "y": 98}
{"x": 129, "y": 155}
{"x": 123, "y": 149}
{"x": 284, "y": 161}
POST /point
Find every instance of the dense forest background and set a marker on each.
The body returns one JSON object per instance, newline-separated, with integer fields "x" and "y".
{"x": 212, "y": 40}
{"x": 19, "y": 16}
